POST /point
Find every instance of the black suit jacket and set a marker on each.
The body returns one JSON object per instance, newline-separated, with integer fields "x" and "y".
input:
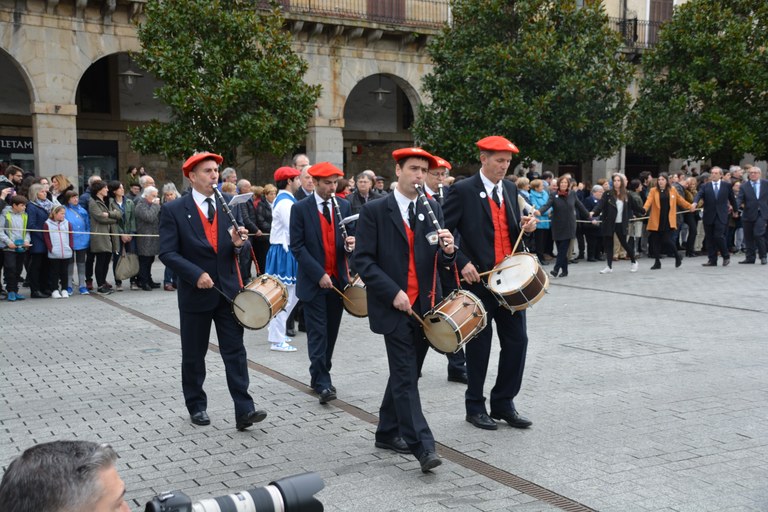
{"x": 382, "y": 254}
{"x": 752, "y": 204}
{"x": 467, "y": 210}
{"x": 185, "y": 250}
{"x": 716, "y": 207}
{"x": 607, "y": 206}
{"x": 307, "y": 247}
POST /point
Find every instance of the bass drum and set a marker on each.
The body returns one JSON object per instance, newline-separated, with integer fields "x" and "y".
{"x": 519, "y": 281}
{"x": 261, "y": 299}
{"x": 454, "y": 322}
{"x": 356, "y": 298}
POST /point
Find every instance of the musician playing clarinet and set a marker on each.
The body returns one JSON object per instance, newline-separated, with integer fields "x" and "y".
{"x": 321, "y": 246}
{"x": 199, "y": 243}
{"x": 434, "y": 187}
{"x": 398, "y": 249}
{"x": 483, "y": 208}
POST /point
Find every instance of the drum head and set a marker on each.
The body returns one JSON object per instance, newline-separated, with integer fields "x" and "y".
{"x": 356, "y": 302}
{"x": 441, "y": 333}
{"x": 516, "y": 272}
{"x": 251, "y": 309}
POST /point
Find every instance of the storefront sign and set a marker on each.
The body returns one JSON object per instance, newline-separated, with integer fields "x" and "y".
{"x": 16, "y": 144}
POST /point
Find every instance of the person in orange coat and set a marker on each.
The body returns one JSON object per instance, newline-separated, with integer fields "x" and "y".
{"x": 661, "y": 206}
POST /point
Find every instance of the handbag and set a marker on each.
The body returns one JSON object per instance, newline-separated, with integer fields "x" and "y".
{"x": 127, "y": 266}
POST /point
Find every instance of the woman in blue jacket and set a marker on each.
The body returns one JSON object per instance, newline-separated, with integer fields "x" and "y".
{"x": 81, "y": 224}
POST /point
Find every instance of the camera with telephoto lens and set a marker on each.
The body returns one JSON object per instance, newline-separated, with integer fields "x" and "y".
{"x": 291, "y": 494}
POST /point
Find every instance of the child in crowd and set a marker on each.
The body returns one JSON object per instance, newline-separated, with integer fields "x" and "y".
{"x": 59, "y": 242}
{"x": 15, "y": 241}
{"x": 80, "y": 223}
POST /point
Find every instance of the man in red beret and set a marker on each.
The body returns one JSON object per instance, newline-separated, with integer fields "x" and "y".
{"x": 199, "y": 244}
{"x": 484, "y": 210}
{"x": 397, "y": 246}
{"x": 321, "y": 250}
{"x": 280, "y": 261}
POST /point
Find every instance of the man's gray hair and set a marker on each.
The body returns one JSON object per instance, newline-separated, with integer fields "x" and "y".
{"x": 149, "y": 190}
{"x": 170, "y": 187}
{"x": 144, "y": 179}
{"x": 94, "y": 178}
{"x": 59, "y": 476}
{"x": 597, "y": 188}
{"x": 226, "y": 173}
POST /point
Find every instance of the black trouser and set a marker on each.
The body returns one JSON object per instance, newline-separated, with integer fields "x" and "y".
{"x": 13, "y": 263}
{"x": 692, "y": 222}
{"x": 715, "y": 238}
{"x": 562, "y": 255}
{"x": 754, "y": 238}
{"x": 58, "y": 271}
{"x": 620, "y": 230}
{"x": 101, "y": 267}
{"x": 660, "y": 241}
{"x": 145, "y": 270}
{"x": 540, "y": 241}
{"x": 90, "y": 260}
{"x": 37, "y": 275}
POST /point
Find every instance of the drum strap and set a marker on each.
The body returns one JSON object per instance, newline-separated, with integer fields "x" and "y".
{"x": 456, "y": 274}
{"x": 240, "y": 277}
{"x": 255, "y": 262}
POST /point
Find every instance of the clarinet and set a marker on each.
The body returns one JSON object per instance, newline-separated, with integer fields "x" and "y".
{"x": 339, "y": 218}
{"x": 224, "y": 205}
{"x": 440, "y": 192}
{"x": 431, "y": 214}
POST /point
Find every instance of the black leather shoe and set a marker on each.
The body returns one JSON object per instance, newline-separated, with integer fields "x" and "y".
{"x": 678, "y": 260}
{"x": 146, "y": 287}
{"x": 458, "y": 377}
{"x": 429, "y": 461}
{"x": 38, "y": 295}
{"x": 553, "y": 273}
{"x": 726, "y": 262}
{"x": 290, "y": 332}
{"x": 764, "y": 261}
{"x": 513, "y": 418}
{"x": 154, "y": 284}
{"x": 246, "y": 420}
{"x": 709, "y": 264}
{"x": 302, "y": 327}
{"x": 482, "y": 420}
{"x": 563, "y": 273}
{"x": 396, "y": 444}
{"x": 747, "y": 262}
{"x": 327, "y": 395}
{"x": 200, "y": 418}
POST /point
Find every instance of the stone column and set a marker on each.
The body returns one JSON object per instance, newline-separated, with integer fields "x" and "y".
{"x": 325, "y": 142}
{"x": 54, "y": 128}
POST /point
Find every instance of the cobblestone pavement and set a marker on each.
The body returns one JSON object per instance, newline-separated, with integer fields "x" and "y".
{"x": 648, "y": 392}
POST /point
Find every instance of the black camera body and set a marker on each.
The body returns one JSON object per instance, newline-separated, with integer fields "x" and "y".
{"x": 291, "y": 494}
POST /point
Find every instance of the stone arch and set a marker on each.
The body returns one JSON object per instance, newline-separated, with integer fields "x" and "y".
{"x": 91, "y": 54}
{"x": 361, "y": 96}
{"x": 8, "y": 64}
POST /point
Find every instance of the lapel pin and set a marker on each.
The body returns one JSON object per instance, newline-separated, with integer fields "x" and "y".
{"x": 482, "y": 195}
{"x": 421, "y": 217}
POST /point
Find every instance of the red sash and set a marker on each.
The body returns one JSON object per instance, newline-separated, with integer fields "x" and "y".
{"x": 329, "y": 246}
{"x": 413, "y": 282}
{"x": 502, "y": 246}
{"x": 211, "y": 233}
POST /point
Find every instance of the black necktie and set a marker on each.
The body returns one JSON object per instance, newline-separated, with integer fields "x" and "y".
{"x": 211, "y": 209}
{"x": 495, "y": 196}
{"x": 412, "y": 214}
{"x": 326, "y": 212}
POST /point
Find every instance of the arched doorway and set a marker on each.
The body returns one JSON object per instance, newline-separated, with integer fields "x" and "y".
{"x": 16, "y": 143}
{"x": 378, "y": 115}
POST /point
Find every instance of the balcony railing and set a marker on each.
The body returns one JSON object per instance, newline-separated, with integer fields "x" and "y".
{"x": 409, "y": 14}
{"x": 640, "y": 34}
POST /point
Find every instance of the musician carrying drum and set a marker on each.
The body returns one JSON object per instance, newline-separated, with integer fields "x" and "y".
{"x": 484, "y": 210}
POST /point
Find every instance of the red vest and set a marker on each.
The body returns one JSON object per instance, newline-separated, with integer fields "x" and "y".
{"x": 502, "y": 246}
{"x": 413, "y": 282}
{"x": 329, "y": 246}
{"x": 211, "y": 233}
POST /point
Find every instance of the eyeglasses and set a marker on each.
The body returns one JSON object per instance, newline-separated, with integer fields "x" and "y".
{"x": 438, "y": 173}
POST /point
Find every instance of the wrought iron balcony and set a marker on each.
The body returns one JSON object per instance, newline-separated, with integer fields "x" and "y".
{"x": 637, "y": 34}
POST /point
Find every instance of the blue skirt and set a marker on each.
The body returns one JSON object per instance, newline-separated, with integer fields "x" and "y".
{"x": 281, "y": 264}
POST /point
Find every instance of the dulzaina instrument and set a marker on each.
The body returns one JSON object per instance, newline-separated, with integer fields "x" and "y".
{"x": 355, "y": 296}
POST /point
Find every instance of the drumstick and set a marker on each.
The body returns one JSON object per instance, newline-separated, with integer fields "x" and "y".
{"x": 413, "y": 315}
{"x": 342, "y": 294}
{"x": 519, "y": 237}
{"x": 228, "y": 299}
{"x": 481, "y": 274}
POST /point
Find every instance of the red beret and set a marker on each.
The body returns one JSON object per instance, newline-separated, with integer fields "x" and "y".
{"x": 399, "y": 154}
{"x": 441, "y": 162}
{"x": 197, "y": 158}
{"x": 324, "y": 170}
{"x": 496, "y": 143}
{"x": 286, "y": 173}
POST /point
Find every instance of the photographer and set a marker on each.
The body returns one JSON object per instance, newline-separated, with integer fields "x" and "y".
{"x": 63, "y": 476}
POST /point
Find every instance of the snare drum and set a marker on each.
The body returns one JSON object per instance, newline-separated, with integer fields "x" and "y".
{"x": 261, "y": 299}
{"x": 454, "y": 322}
{"x": 355, "y": 298}
{"x": 520, "y": 281}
